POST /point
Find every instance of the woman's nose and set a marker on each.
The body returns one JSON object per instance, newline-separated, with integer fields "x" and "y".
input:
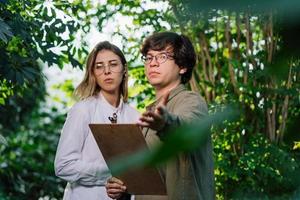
{"x": 106, "y": 69}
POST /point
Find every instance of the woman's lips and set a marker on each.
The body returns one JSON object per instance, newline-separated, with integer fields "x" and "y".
{"x": 108, "y": 80}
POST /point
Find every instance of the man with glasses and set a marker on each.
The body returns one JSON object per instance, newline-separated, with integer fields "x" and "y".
{"x": 169, "y": 61}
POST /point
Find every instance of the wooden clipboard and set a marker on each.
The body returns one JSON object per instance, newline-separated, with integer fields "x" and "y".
{"x": 116, "y": 140}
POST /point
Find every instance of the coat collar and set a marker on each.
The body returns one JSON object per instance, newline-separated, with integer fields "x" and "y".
{"x": 174, "y": 92}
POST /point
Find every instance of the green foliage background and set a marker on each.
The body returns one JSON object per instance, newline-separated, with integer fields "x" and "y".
{"x": 248, "y": 55}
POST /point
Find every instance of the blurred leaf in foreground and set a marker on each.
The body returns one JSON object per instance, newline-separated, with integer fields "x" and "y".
{"x": 183, "y": 139}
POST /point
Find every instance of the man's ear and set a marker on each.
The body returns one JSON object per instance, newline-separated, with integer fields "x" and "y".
{"x": 182, "y": 70}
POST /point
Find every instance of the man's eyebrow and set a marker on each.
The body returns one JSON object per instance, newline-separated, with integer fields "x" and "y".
{"x": 165, "y": 52}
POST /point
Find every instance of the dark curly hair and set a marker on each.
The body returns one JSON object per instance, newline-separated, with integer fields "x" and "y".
{"x": 184, "y": 53}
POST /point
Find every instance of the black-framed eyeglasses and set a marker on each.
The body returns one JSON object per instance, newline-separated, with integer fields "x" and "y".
{"x": 160, "y": 58}
{"x": 115, "y": 67}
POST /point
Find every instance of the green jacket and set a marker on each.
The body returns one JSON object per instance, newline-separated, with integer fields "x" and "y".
{"x": 190, "y": 176}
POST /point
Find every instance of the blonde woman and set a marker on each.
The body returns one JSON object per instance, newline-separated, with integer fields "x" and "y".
{"x": 103, "y": 94}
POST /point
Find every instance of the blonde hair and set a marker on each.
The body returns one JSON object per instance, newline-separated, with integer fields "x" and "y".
{"x": 88, "y": 86}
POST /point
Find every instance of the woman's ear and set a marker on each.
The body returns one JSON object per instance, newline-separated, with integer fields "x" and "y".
{"x": 182, "y": 70}
{"x": 125, "y": 73}
{"x": 125, "y": 70}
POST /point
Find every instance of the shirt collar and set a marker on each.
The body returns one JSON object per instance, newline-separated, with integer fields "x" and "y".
{"x": 115, "y": 109}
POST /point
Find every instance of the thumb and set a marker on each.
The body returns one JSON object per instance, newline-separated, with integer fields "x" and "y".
{"x": 161, "y": 110}
{"x": 162, "y": 104}
{"x": 164, "y": 99}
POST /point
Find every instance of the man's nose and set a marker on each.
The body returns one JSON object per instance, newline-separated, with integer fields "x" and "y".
{"x": 154, "y": 62}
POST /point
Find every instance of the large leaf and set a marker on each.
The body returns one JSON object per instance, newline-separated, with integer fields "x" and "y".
{"x": 186, "y": 138}
{"x": 5, "y": 31}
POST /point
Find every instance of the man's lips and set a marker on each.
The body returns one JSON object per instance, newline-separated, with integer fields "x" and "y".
{"x": 153, "y": 73}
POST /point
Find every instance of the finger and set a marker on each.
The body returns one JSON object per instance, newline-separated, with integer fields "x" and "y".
{"x": 143, "y": 124}
{"x": 114, "y": 196}
{"x": 140, "y": 127}
{"x": 114, "y": 186}
{"x": 115, "y": 180}
{"x": 160, "y": 110}
{"x": 155, "y": 116}
{"x": 147, "y": 119}
{"x": 145, "y": 114}
{"x": 165, "y": 98}
{"x": 115, "y": 191}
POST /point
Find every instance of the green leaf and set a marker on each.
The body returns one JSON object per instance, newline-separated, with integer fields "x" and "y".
{"x": 5, "y": 31}
{"x": 183, "y": 139}
{"x": 2, "y": 101}
{"x": 3, "y": 140}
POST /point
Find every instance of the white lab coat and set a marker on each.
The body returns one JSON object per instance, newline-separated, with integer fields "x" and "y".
{"x": 78, "y": 159}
